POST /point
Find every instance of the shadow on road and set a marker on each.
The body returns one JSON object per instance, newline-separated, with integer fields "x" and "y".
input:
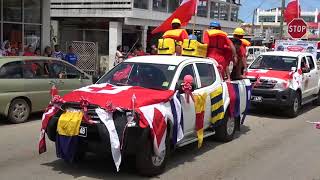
{"x": 33, "y": 117}
{"x": 103, "y": 168}
{"x": 276, "y": 113}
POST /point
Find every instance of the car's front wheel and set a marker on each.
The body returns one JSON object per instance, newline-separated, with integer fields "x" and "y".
{"x": 19, "y": 111}
{"x": 147, "y": 163}
{"x": 295, "y": 106}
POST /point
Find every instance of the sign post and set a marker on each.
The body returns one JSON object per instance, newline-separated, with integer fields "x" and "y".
{"x": 297, "y": 28}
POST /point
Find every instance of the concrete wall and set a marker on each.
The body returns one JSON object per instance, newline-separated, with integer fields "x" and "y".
{"x": 45, "y": 34}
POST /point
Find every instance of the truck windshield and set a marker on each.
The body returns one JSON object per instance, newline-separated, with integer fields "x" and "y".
{"x": 152, "y": 76}
{"x": 279, "y": 63}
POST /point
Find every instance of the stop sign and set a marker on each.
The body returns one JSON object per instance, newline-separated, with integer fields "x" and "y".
{"x": 297, "y": 28}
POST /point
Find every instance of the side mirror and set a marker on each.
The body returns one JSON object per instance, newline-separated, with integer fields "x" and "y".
{"x": 95, "y": 78}
{"x": 305, "y": 70}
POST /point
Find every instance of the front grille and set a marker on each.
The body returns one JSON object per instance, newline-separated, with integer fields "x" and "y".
{"x": 263, "y": 84}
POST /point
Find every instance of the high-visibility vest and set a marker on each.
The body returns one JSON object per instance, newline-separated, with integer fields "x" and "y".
{"x": 217, "y": 39}
{"x": 245, "y": 42}
{"x": 176, "y": 34}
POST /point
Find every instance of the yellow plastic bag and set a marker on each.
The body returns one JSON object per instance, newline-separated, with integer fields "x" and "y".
{"x": 166, "y": 46}
{"x": 194, "y": 48}
{"x": 69, "y": 123}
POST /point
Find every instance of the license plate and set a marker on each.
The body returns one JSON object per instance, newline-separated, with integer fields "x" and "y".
{"x": 256, "y": 98}
{"x": 83, "y": 131}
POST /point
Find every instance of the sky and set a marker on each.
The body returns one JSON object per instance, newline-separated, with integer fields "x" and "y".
{"x": 246, "y": 10}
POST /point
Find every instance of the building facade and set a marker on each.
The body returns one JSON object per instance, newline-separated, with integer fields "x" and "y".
{"x": 25, "y": 22}
{"x": 269, "y": 20}
{"x": 115, "y": 22}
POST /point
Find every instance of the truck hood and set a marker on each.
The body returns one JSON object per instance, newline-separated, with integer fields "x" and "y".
{"x": 283, "y": 75}
{"x": 106, "y": 95}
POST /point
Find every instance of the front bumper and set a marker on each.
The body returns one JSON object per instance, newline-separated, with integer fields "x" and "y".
{"x": 277, "y": 98}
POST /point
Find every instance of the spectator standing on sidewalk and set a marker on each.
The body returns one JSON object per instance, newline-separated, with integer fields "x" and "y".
{"x": 119, "y": 56}
{"x": 57, "y": 53}
{"x": 47, "y": 51}
{"x": 29, "y": 51}
{"x": 71, "y": 57}
{"x": 37, "y": 52}
{"x": 5, "y": 48}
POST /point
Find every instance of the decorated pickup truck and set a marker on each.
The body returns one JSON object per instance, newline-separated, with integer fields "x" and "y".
{"x": 146, "y": 106}
{"x": 285, "y": 79}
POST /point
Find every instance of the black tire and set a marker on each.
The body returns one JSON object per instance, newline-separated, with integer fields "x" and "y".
{"x": 317, "y": 101}
{"x": 295, "y": 106}
{"x": 19, "y": 111}
{"x": 144, "y": 158}
{"x": 224, "y": 134}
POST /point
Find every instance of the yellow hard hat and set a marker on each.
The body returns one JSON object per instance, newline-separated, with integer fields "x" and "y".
{"x": 239, "y": 32}
{"x": 176, "y": 21}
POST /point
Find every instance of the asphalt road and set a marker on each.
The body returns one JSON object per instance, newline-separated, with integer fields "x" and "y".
{"x": 269, "y": 146}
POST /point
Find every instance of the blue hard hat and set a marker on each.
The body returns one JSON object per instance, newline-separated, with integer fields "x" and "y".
{"x": 192, "y": 36}
{"x": 215, "y": 24}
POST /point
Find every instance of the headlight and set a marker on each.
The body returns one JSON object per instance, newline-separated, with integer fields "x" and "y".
{"x": 281, "y": 85}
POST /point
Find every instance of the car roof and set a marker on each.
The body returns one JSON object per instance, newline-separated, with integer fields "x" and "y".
{"x": 161, "y": 59}
{"x": 6, "y": 59}
{"x": 285, "y": 53}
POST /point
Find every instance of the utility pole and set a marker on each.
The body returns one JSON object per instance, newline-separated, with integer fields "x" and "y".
{"x": 282, "y": 18}
{"x": 253, "y": 18}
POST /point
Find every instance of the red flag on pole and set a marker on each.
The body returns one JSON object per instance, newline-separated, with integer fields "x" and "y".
{"x": 292, "y": 11}
{"x": 184, "y": 13}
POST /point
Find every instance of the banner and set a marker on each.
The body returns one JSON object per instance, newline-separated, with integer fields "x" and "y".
{"x": 297, "y": 46}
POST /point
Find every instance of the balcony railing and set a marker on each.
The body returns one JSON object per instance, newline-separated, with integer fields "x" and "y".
{"x": 92, "y": 4}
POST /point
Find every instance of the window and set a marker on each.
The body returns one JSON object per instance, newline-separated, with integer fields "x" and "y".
{"x": 267, "y": 19}
{"x": 160, "y": 5}
{"x": 277, "y": 63}
{"x": 173, "y": 5}
{"x": 12, "y": 70}
{"x": 32, "y": 36}
{"x": 188, "y": 70}
{"x": 13, "y": 33}
{"x": 308, "y": 18}
{"x": 303, "y": 63}
{"x": 234, "y": 14}
{"x": 32, "y": 11}
{"x": 202, "y": 8}
{"x": 72, "y": 73}
{"x": 206, "y": 73}
{"x": 56, "y": 69}
{"x": 12, "y": 10}
{"x": 224, "y": 11}
{"x": 142, "y": 4}
{"x": 311, "y": 63}
{"x": 214, "y": 10}
{"x": 34, "y": 69}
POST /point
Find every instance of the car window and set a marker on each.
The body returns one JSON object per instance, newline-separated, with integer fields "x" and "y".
{"x": 311, "y": 63}
{"x": 56, "y": 69}
{"x": 11, "y": 70}
{"x": 72, "y": 73}
{"x": 188, "y": 70}
{"x": 303, "y": 63}
{"x": 34, "y": 69}
{"x": 206, "y": 73}
{"x": 272, "y": 62}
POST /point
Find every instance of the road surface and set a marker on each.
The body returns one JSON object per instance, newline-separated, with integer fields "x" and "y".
{"x": 269, "y": 146}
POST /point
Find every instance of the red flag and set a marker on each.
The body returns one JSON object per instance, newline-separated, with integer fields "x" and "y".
{"x": 184, "y": 13}
{"x": 292, "y": 11}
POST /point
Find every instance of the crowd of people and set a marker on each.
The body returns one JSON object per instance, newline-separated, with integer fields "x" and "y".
{"x": 29, "y": 50}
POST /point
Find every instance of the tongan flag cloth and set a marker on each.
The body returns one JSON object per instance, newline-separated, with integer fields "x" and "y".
{"x": 217, "y": 106}
{"x": 292, "y": 11}
{"x": 177, "y": 115}
{"x": 200, "y": 106}
{"x": 50, "y": 112}
{"x": 156, "y": 116}
{"x": 107, "y": 119}
{"x": 102, "y": 94}
{"x": 184, "y": 13}
{"x": 67, "y": 134}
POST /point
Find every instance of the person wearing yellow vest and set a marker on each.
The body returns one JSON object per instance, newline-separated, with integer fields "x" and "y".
{"x": 176, "y": 33}
{"x": 239, "y": 33}
{"x": 220, "y": 48}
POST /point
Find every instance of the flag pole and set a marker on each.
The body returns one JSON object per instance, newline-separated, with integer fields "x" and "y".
{"x": 195, "y": 18}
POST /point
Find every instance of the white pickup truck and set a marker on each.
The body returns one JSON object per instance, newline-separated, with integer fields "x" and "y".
{"x": 158, "y": 75}
{"x": 285, "y": 79}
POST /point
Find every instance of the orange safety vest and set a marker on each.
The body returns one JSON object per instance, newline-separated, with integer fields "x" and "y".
{"x": 176, "y": 34}
{"x": 245, "y": 42}
{"x": 216, "y": 39}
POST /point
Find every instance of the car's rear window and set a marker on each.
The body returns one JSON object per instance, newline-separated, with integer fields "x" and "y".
{"x": 271, "y": 62}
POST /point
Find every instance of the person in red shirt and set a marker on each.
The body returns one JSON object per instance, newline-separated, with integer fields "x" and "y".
{"x": 239, "y": 34}
{"x": 28, "y": 51}
{"x": 220, "y": 48}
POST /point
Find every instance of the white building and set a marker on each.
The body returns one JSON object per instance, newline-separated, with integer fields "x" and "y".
{"x": 270, "y": 19}
{"x": 115, "y": 22}
{"x": 25, "y": 22}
